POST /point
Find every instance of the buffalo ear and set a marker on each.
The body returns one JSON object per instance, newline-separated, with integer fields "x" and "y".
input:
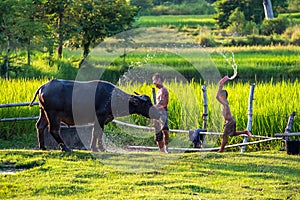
{"x": 133, "y": 100}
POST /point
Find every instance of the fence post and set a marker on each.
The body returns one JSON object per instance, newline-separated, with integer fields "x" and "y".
{"x": 289, "y": 126}
{"x": 205, "y": 114}
{"x": 154, "y": 96}
{"x": 250, "y": 113}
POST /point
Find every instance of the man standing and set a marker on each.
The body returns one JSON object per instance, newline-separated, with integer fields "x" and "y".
{"x": 230, "y": 123}
{"x": 162, "y": 100}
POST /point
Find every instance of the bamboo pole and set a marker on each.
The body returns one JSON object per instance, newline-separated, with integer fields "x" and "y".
{"x": 205, "y": 108}
{"x": 154, "y": 96}
{"x": 202, "y": 149}
{"x": 14, "y": 119}
{"x": 204, "y": 114}
{"x": 16, "y": 104}
{"x": 289, "y": 125}
{"x": 287, "y": 134}
{"x": 250, "y": 113}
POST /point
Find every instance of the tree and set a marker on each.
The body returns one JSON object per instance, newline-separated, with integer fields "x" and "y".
{"x": 19, "y": 24}
{"x": 99, "y": 19}
{"x": 142, "y": 5}
{"x": 237, "y": 22}
{"x": 8, "y": 30}
{"x": 56, "y": 11}
{"x": 32, "y": 26}
{"x": 250, "y": 9}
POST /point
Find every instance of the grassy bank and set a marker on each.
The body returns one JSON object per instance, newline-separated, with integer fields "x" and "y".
{"x": 82, "y": 175}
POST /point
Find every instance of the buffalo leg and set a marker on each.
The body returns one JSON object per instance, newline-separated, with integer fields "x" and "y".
{"x": 41, "y": 125}
{"x": 54, "y": 131}
{"x": 97, "y": 135}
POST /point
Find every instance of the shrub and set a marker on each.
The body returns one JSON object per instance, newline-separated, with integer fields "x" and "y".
{"x": 293, "y": 33}
{"x": 256, "y": 40}
{"x": 237, "y": 22}
{"x": 205, "y": 37}
{"x": 276, "y": 25}
{"x": 204, "y": 41}
{"x": 296, "y": 38}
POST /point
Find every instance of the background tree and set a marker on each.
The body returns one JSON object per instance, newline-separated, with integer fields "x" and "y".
{"x": 99, "y": 19}
{"x": 32, "y": 26}
{"x": 19, "y": 24}
{"x": 250, "y": 8}
{"x": 237, "y": 22}
{"x": 142, "y": 5}
{"x": 8, "y": 30}
{"x": 56, "y": 11}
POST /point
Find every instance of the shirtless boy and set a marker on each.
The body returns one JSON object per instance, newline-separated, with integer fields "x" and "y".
{"x": 230, "y": 123}
{"x": 162, "y": 100}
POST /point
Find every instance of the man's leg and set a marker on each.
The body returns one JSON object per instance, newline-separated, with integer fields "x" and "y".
{"x": 159, "y": 140}
{"x": 248, "y": 133}
{"x": 166, "y": 140}
{"x": 224, "y": 141}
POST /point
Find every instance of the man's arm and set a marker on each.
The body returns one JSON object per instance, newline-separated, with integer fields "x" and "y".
{"x": 220, "y": 87}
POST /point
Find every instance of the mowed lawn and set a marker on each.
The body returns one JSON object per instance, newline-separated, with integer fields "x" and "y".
{"x": 149, "y": 175}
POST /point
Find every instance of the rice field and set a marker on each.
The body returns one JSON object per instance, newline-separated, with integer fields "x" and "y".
{"x": 180, "y": 21}
{"x": 273, "y": 103}
{"x": 177, "y": 20}
{"x": 274, "y": 70}
{"x": 254, "y": 63}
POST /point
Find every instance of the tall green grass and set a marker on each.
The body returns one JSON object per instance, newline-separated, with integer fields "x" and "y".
{"x": 273, "y": 103}
{"x": 17, "y": 91}
{"x": 274, "y": 69}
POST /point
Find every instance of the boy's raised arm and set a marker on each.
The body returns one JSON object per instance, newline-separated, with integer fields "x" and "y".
{"x": 220, "y": 87}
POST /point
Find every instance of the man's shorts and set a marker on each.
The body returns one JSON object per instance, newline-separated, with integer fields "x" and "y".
{"x": 230, "y": 127}
{"x": 158, "y": 131}
{"x": 166, "y": 122}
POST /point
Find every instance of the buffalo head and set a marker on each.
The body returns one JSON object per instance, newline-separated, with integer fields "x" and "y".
{"x": 141, "y": 104}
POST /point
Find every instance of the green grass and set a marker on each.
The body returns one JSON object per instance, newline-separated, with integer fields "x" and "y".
{"x": 192, "y": 21}
{"x": 17, "y": 91}
{"x": 273, "y": 103}
{"x": 82, "y": 175}
{"x": 176, "y": 20}
{"x": 294, "y": 17}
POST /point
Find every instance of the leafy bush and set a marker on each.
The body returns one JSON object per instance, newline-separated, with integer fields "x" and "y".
{"x": 256, "y": 40}
{"x": 205, "y": 41}
{"x": 296, "y": 38}
{"x": 293, "y": 33}
{"x": 239, "y": 25}
{"x": 276, "y": 25}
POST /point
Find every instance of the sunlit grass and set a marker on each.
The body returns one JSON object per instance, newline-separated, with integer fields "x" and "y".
{"x": 82, "y": 175}
{"x": 176, "y": 20}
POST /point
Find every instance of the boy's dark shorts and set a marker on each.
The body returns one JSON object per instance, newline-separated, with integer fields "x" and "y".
{"x": 230, "y": 128}
{"x": 158, "y": 133}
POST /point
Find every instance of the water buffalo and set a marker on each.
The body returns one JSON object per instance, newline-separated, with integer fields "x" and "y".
{"x": 75, "y": 102}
